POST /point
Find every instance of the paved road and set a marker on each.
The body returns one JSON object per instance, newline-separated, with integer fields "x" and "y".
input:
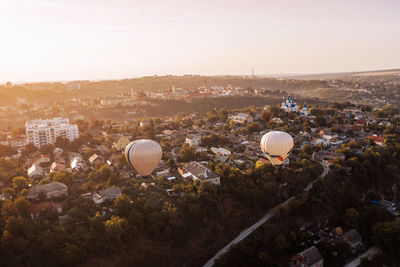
{"x": 249, "y": 230}
{"x": 324, "y": 173}
{"x": 240, "y": 237}
{"x": 368, "y": 254}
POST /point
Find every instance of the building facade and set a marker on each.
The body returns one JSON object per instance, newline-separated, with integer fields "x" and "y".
{"x": 193, "y": 140}
{"x": 201, "y": 173}
{"x": 43, "y": 132}
{"x": 50, "y": 190}
{"x": 242, "y": 118}
{"x": 289, "y": 105}
{"x": 304, "y": 110}
{"x": 310, "y": 257}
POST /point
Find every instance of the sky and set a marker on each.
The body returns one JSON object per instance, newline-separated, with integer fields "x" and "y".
{"x": 59, "y": 40}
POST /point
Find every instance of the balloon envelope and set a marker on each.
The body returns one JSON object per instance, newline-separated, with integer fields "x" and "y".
{"x": 276, "y": 146}
{"x": 143, "y": 155}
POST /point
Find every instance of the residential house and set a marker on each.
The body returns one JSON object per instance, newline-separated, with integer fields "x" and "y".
{"x": 106, "y": 194}
{"x": 379, "y": 140}
{"x": 360, "y": 122}
{"x": 39, "y": 167}
{"x": 331, "y": 138}
{"x": 242, "y": 118}
{"x": 171, "y": 192}
{"x": 35, "y": 171}
{"x": 36, "y": 209}
{"x": 199, "y": 149}
{"x": 389, "y": 206}
{"x": 327, "y": 157}
{"x": 94, "y": 159}
{"x": 50, "y": 190}
{"x": 63, "y": 219}
{"x": 163, "y": 173}
{"x": 57, "y": 152}
{"x": 310, "y": 257}
{"x": 171, "y": 133}
{"x": 220, "y": 151}
{"x": 320, "y": 141}
{"x": 201, "y": 173}
{"x": 384, "y": 123}
{"x": 121, "y": 143}
{"x": 277, "y": 120}
{"x": 18, "y": 141}
{"x": 175, "y": 152}
{"x": 55, "y": 167}
{"x": 144, "y": 123}
{"x": 357, "y": 129}
{"x": 223, "y": 159}
{"x": 76, "y": 162}
{"x": 193, "y": 140}
{"x": 353, "y": 238}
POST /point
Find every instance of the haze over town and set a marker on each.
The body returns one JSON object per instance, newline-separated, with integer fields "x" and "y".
{"x": 70, "y": 40}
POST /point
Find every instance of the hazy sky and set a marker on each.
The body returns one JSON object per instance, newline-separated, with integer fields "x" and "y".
{"x": 98, "y": 39}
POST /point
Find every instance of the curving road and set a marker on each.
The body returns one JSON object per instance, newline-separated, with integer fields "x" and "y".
{"x": 266, "y": 217}
{"x": 324, "y": 173}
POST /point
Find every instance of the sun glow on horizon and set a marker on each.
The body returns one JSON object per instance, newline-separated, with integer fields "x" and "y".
{"x": 68, "y": 40}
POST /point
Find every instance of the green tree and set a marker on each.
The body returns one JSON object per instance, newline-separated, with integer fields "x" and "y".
{"x": 19, "y": 182}
{"x": 123, "y": 205}
{"x": 187, "y": 153}
{"x": 387, "y": 236}
{"x": 266, "y": 115}
{"x": 105, "y": 172}
{"x": 46, "y": 149}
{"x": 115, "y": 228}
{"x": 253, "y": 127}
{"x": 63, "y": 177}
{"x": 320, "y": 121}
{"x": 351, "y": 218}
{"x": 22, "y": 207}
{"x": 121, "y": 161}
{"x": 29, "y": 148}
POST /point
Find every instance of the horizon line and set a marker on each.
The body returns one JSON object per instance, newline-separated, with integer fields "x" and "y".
{"x": 270, "y": 75}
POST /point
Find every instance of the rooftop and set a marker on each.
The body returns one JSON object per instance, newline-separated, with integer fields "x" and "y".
{"x": 44, "y": 188}
{"x": 311, "y": 255}
{"x": 200, "y": 171}
{"x": 110, "y": 192}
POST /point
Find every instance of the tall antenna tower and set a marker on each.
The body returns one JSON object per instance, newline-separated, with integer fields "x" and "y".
{"x": 252, "y": 73}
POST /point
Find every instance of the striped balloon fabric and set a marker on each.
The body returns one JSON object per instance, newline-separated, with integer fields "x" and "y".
{"x": 143, "y": 155}
{"x": 276, "y": 146}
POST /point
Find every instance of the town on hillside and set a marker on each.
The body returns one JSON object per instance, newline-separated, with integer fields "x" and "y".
{"x": 157, "y": 96}
{"x": 67, "y": 191}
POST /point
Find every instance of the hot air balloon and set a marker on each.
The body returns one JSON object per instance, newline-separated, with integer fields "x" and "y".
{"x": 276, "y": 146}
{"x": 143, "y": 155}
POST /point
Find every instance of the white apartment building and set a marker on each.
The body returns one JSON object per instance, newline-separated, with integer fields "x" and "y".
{"x": 42, "y": 132}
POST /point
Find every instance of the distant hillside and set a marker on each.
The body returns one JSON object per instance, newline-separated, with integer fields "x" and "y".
{"x": 55, "y": 92}
{"x": 345, "y": 75}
